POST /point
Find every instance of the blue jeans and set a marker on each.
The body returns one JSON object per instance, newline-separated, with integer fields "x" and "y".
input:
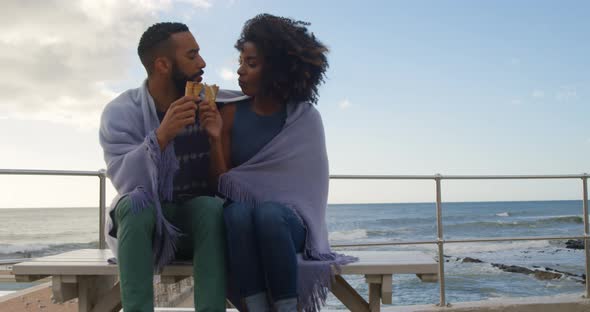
{"x": 262, "y": 245}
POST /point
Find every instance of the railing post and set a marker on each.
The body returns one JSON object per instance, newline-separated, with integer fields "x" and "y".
{"x": 440, "y": 243}
{"x": 102, "y": 176}
{"x": 586, "y": 232}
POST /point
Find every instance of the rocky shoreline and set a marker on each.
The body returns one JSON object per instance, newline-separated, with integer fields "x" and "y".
{"x": 574, "y": 244}
{"x": 541, "y": 273}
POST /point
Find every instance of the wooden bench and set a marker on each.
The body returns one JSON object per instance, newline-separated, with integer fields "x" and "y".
{"x": 86, "y": 275}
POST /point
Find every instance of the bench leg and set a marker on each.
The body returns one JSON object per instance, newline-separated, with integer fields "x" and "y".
{"x": 380, "y": 289}
{"x": 387, "y": 289}
{"x": 98, "y": 293}
{"x": 64, "y": 288}
{"x": 374, "y": 297}
{"x": 348, "y": 295}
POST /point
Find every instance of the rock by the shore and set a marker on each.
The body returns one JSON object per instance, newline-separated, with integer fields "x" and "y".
{"x": 544, "y": 275}
{"x": 471, "y": 260}
{"x": 574, "y": 244}
{"x": 541, "y": 273}
{"x": 513, "y": 268}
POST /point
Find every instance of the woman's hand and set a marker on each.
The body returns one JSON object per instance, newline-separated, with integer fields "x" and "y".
{"x": 210, "y": 120}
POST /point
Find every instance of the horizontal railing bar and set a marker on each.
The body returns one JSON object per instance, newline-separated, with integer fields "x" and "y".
{"x": 383, "y": 244}
{"x": 507, "y": 239}
{"x": 456, "y": 177}
{"x": 475, "y": 240}
{"x": 50, "y": 172}
{"x": 513, "y": 177}
{"x": 382, "y": 177}
{"x": 335, "y": 177}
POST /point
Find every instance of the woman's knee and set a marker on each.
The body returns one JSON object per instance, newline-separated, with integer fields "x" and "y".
{"x": 237, "y": 215}
{"x": 269, "y": 217}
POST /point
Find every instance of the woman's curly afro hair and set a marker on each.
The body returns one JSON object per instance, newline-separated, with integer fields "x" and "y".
{"x": 294, "y": 60}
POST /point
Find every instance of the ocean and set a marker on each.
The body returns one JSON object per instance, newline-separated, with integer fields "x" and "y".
{"x": 37, "y": 232}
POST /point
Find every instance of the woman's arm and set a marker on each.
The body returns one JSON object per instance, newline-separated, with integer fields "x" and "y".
{"x": 227, "y": 115}
{"x": 220, "y": 144}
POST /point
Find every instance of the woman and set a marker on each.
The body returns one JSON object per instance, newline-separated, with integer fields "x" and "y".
{"x": 277, "y": 183}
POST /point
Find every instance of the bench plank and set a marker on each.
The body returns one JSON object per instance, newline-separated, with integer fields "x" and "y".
{"x": 94, "y": 262}
{"x": 379, "y": 262}
{"x": 394, "y": 262}
{"x": 89, "y": 266}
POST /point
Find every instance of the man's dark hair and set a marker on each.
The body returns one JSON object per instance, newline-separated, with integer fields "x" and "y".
{"x": 295, "y": 61}
{"x": 156, "y": 41}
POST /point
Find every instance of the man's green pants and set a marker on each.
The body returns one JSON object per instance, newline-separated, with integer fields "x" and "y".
{"x": 201, "y": 221}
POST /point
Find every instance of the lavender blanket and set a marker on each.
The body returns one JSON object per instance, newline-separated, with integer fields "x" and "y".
{"x": 292, "y": 169}
{"x": 137, "y": 167}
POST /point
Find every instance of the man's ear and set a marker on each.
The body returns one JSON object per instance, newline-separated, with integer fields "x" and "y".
{"x": 162, "y": 65}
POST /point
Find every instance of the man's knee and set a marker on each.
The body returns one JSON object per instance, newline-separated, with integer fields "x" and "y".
{"x": 206, "y": 211}
{"x": 144, "y": 218}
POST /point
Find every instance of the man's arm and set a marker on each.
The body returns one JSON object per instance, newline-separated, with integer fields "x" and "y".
{"x": 136, "y": 160}
{"x": 181, "y": 113}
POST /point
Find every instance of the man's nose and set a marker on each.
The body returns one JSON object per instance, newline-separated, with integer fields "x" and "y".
{"x": 202, "y": 62}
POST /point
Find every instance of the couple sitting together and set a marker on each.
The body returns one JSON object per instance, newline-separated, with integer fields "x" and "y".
{"x": 239, "y": 187}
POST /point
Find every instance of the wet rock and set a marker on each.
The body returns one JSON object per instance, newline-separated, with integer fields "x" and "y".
{"x": 574, "y": 244}
{"x": 544, "y": 275}
{"x": 471, "y": 260}
{"x": 513, "y": 268}
{"x": 549, "y": 274}
{"x": 562, "y": 272}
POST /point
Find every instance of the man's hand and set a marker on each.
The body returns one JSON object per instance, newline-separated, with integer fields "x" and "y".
{"x": 210, "y": 120}
{"x": 180, "y": 114}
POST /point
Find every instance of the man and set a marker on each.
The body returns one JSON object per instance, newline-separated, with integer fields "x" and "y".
{"x": 159, "y": 158}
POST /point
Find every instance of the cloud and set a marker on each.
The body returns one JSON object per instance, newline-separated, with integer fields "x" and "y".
{"x": 228, "y": 74}
{"x": 204, "y": 4}
{"x": 344, "y": 104}
{"x": 538, "y": 94}
{"x": 58, "y": 57}
{"x": 82, "y": 113}
{"x": 566, "y": 93}
{"x": 516, "y": 102}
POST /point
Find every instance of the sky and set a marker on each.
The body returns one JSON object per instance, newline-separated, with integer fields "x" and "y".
{"x": 414, "y": 87}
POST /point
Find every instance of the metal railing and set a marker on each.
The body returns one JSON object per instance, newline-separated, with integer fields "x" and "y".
{"x": 440, "y": 239}
{"x": 101, "y": 174}
{"x": 440, "y": 242}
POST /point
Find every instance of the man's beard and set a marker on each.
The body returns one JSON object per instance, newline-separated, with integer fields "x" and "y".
{"x": 179, "y": 79}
